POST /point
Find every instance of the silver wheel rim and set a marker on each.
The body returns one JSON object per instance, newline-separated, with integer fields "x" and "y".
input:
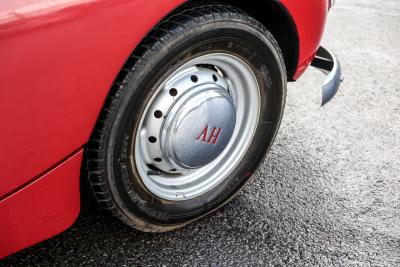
{"x": 219, "y": 80}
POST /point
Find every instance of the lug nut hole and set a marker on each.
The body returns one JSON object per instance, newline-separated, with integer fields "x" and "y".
{"x": 173, "y": 92}
{"x": 194, "y": 78}
{"x": 215, "y": 78}
{"x": 152, "y": 139}
{"x": 157, "y": 160}
{"x": 158, "y": 114}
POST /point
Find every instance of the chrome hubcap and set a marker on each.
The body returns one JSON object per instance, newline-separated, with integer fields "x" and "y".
{"x": 197, "y": 126}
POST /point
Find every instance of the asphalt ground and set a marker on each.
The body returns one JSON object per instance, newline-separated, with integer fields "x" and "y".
{"x": 327, "y": 194}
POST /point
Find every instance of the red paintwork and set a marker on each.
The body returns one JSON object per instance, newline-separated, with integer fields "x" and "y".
{"x": 44, "y": 208}
{"x": 310, "y": 17}
{"x": 58, "y": 60}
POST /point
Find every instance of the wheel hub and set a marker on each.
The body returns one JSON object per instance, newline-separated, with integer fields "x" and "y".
{"x": 198, "y": 127}
{"x": 194, "y": 119}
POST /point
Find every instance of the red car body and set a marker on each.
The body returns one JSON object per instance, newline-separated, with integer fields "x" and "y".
{"x": 58, "y": 61}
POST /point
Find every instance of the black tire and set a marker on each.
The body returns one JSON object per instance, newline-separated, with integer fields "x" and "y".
{"x": 187, "y": 33}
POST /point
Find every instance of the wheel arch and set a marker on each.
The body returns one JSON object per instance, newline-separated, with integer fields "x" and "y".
{"x": 276, "y": 18}
{"x": 273, "y": 15}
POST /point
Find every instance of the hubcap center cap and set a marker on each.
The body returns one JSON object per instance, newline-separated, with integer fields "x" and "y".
{"x": 199, "y": 126}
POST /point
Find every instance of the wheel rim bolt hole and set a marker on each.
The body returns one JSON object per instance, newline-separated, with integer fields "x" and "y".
{"x": 158, "y": 114}
{"x": 194, "y": 78}
{"x": 215, "y": 78}
{"x": 173, "y": 92}
{"x": 157, "y": 159}
{"x": 152, "y": 139}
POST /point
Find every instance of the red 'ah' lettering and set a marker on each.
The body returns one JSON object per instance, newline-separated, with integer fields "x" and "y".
{"x": 204, "y": 134}
{"x": 213, "y": 138}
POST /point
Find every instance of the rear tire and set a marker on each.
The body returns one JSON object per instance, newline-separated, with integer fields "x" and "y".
{"x": 119, "y": 183}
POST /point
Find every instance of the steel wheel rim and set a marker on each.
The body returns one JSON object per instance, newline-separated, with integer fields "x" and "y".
{"x": 241, "y": 84}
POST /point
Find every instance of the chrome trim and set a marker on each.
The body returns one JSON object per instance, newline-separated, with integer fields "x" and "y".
{"x": 201, "y": 108}
{"x": 326, "y": 62}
